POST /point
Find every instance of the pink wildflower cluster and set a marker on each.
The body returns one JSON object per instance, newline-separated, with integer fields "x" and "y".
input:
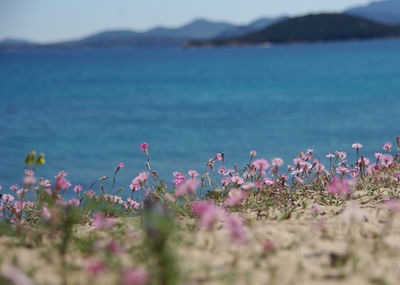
{"x": 131, "y": 204}
{"x": 339, "y": 186}
{"x": 357, "y": 146}
{"x": 210, "y": 215}
{"x": 387, "y": 146}
{"x": 61, "y": 181}
{"x": 100, "y": 222}
{"x": 179, "y": 178}
{"x": 187, "y": 187}
{"x": 193, "y": 173}
{"x": 261, "y": 164}
{"x": 139, "y": 181}
{"x": 78, "y": 188}
{"x": 235, "y": 197}
{"x": 74, "y": 202}
{"x": 113, "y": 198}
{"x": 134, "y": 276}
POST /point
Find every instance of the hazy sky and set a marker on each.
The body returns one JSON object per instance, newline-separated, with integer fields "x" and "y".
{"x": 54, "y": 20}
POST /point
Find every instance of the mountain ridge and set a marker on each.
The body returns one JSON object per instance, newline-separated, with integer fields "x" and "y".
{"x": 386, "y": 12}
{"x": 310, "y": 28}
{"x": 159, "y": 36}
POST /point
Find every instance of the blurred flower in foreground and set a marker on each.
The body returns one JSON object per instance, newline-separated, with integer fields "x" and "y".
{"x": 339, "y": 186}
{"x": 134, "y": 276}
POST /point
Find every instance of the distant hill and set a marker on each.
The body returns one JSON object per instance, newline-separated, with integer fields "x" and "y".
{"x": 387, "y": 12}
{"x": 311, "y": 28}
{"x": 10, "y": 41}
{"x": 252, "y": 27}
{"x": 197, "y": 30}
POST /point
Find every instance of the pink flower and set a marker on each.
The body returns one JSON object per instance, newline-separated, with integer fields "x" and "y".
{"x": 90, "y": 193}
{"x": 342, "y": 154}
{"x": 236, "y": 229}
{"x": 237, "y": 180}
{"x": 342, "y": 170}
{"x": 29, "y": 180}
{"x": 29, "y": 172}
{"x": 253, "y": 153}
{"x": 193, "y": 173}
{"x": 61, "y": 203}
{"x": 218, "y": 156}
{"x": 357, "y": 146}
{"x": 14, "y": 187}
{"x": 277, "y": 162}
{"x": 99, "y": 222}
{"x": 353, "y": 173}
{"x": 6, "y": 199}
{"x": 44, "y": 182}
{"x": 169, "y": 198}
{"x": 222, "y": 170}
{"x": 364, "y": 160}
{"x": 387, "y": 146}
{"x": 61, "y": 174}
{"x": 235, "y": 197}
{"x": 134, "y": 187}
{"x": 202, "y": 207}
{"x": 74, "y": 202}
{"x": 120, "y": 165}
{"x": 113, "y": 198}
{"x": 378, "y": 155}
{"x": 19, "y": 206}
{"x": 269, "y": 181}
{"x": 209, "y": 214}
{"x": 229, "y": 171}
{"x": 386, "y": 160}
{"x": 298, "y": 179}
{"x": 306, "y": 156}
{"x": 396, "y": 177}
{"x": 373, "y": 168}
{"x": 339, "y": 186}
{"x": 187, "y": 187}
{"x": 134, "y": 276}
{"x": 144, "y": 146}
{"x": 115, "y": 248}
{"x": 251, "y": 185}
{"x": 330, "y": 155}
{"x": 225, "y": 181}
{"x": 261, "y": 164}
{"x": 62, "y": 183}
{"x": 45, "y": 213}
{"x": 96, "y": 267}
{"x": 140, "y": 178}
{"x": 298, "y": 161}
{"x": 210, "y": 163}
{"x": 268, "y": 246}
{"x": 393, "y": 205}
{"x": 131, "y": 204}
{"x": 78, "y": 188}
{"x": 179, "y": 178}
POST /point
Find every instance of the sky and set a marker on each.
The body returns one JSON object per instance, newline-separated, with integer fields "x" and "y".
{"x": 47, "y": 21}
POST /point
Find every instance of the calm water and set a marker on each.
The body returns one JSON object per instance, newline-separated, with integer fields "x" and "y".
{"x": 87, "y": 110}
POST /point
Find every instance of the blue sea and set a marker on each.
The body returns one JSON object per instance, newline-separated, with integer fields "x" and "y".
{"x": 89, "y": 109}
